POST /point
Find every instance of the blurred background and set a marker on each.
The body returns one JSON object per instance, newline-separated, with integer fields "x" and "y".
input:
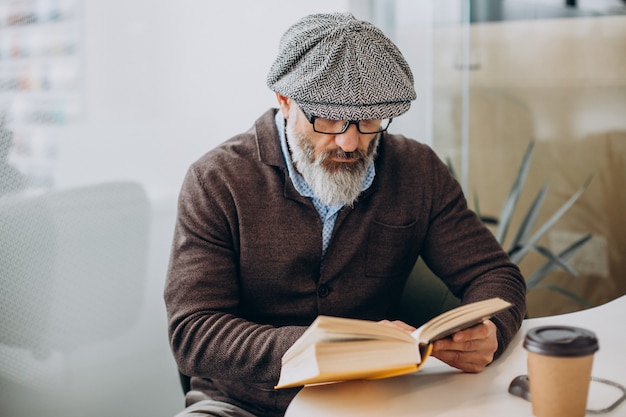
{"x": 103, "y": 106}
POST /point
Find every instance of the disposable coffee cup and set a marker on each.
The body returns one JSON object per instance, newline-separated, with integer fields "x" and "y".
{"x": 560, "y": 359}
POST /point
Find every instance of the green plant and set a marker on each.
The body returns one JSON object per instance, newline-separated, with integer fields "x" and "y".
{"x": 525, "y": 240}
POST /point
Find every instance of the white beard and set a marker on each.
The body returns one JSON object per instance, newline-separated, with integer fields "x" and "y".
{"x": 332, "y": 182}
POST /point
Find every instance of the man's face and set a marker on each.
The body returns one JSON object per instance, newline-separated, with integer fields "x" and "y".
{"x": 337, "y": 152}
{"x": 334, "y": 166}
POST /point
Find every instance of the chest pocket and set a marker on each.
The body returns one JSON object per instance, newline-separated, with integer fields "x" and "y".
{"x": 390, "y": 249}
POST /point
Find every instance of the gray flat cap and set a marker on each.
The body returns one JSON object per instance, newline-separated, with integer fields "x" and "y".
{"x": 338, "y": 67}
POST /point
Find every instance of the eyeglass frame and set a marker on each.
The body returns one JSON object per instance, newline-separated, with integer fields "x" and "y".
{"x": 311, "y": 118}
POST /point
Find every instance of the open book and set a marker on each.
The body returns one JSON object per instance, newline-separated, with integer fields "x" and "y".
{"x": 337, "y": 349}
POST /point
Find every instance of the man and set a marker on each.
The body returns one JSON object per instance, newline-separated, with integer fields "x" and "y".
{"x": 317, "y": 209}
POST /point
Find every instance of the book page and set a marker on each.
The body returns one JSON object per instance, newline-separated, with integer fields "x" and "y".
{"x": 338, "y": 329}
{"x": 458, "y": 319}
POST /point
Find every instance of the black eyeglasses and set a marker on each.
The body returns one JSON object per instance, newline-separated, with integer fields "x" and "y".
{"x": 337, "y": 127}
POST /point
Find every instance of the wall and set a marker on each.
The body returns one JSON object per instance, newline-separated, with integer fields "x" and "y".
{"x": 162, "y": 82}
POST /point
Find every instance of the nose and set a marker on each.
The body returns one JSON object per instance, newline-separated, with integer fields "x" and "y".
{"x": 348, "y": 141}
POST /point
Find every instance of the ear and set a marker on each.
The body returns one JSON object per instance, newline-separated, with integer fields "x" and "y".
{"x": 284, "y": 103}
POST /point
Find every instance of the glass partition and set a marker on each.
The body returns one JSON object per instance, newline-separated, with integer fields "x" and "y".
{"x": 508, "y": 74}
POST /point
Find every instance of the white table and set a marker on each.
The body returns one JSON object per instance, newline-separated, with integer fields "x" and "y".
{"x": 441, "y": 391}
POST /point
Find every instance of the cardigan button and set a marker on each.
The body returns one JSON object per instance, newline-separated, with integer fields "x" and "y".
{"x": 323, "y": 290}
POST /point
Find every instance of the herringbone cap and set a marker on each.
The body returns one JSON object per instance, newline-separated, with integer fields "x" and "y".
{"x": 338, "y": 67}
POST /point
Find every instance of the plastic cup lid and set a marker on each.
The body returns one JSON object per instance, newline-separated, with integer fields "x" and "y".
{"x": 561, "y": 341}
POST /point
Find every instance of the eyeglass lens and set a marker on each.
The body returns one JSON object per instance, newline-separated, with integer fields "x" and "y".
{"x": 340, "y": 126}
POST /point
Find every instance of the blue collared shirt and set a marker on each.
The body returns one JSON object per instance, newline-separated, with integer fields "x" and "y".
{"x": 328, "y": 214}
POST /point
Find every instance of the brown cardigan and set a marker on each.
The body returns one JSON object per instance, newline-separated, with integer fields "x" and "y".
{"x": 244, "y": 275}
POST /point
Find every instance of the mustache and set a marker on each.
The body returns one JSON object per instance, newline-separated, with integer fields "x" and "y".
{"x": 357, "y": 155}
{"x": 333, "y": 161}
{"x": 341, "y": 154}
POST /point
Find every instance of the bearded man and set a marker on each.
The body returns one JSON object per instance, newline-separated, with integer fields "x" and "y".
{"x": 318, "y": 209}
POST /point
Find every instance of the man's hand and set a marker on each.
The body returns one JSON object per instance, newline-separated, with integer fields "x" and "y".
{"x": 469, "y": 350}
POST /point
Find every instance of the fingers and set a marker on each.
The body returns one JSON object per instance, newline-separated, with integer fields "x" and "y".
{"x": 474, "y": 361}
{"x": 477, "y": 332}
{"x": 469, "y": 350}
